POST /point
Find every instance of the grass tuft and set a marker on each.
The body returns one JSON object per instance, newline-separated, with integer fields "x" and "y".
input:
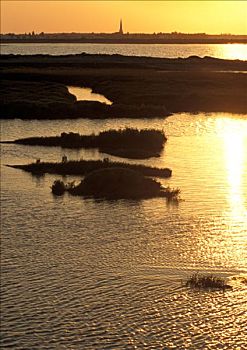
{"x": 207, "y": 282}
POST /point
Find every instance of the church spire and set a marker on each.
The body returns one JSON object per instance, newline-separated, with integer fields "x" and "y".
{"x": 120, "y": 27}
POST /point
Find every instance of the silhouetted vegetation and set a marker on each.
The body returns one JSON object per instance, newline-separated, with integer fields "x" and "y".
{"x": 117, "y": 183}
{"x": 130, "y": 143}
{"x": 207, "y": 282}
{"x": 24, "y": 99}
{"x": 138, "y": 86}
{"x": 49, "y": 100}
{"x": 130, "y": 38}
{"x": 58, "y": 188}
{"x": 83, "y": 167}
{"x": 150, "y": 139}
{"x": 173, "y": 194}
{"x": 116, "y": 61}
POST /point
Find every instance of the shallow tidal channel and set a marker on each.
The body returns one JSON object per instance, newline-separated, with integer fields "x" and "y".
{"x": 86, "y": 94}
{"x": 85, "y": 274}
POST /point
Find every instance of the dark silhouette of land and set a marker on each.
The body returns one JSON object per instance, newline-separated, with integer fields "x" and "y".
{"x": 28, "y": 99}
{"x": 83, "y": 167}
{"x": 123, "y": 38}
{"x": 127, "y": 143}
{"x": 140, "y": 87}
{"x": 116, "y": 183}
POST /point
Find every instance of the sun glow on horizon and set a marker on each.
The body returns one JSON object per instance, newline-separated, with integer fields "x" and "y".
{"x": 235, "y": 51}
{"x": 212, "y": 17}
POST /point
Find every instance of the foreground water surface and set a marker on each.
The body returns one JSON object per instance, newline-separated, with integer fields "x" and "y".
{"x": 85, "y": 274}
{"x": 224, "y": 51}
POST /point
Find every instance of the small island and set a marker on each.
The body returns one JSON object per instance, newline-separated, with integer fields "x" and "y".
{"x": 126, "y": 143}
{"x": 83, "y": 167}
{"x": 116, "y": 183}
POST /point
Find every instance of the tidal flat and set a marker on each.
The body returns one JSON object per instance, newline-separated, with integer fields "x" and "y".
{"x": 139, "y": 87}
{"x": 80, "y": 272}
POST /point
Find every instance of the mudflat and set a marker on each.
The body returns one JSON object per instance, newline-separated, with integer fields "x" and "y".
{"x": 138, "y": 86}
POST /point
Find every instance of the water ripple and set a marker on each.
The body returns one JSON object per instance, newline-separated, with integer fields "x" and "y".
{"x": 82, "y": 274}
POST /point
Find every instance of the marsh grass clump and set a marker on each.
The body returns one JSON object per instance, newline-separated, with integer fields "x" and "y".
{"x": 172, "y": 194}
{"x": 40, "y": 99}
{"x": 117, "y": 183}
{"x": 112, "y": 184}
{"x": 126, "y": 139}
{"x": 58, "y": 188}
{"x": 207, "y": 282}
{"x": 128, "y": 142}
{"x": 145, "y": 140}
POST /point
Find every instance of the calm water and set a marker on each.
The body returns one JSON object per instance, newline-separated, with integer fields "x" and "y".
{"x": 86, "y": 94}
{"x": 85, "y": 274}
{"x": 226, "y": 51}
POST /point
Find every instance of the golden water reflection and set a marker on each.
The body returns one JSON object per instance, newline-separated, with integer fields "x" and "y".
{"x": 234, "y": 136}
{"x": 86, "y": 94}
{"x": 234, "y": 51}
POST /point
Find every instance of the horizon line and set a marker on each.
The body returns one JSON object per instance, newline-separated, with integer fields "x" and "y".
{"x": 125, "y": 33}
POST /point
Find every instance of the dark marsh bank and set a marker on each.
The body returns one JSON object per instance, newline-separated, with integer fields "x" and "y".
{"x": 138, "y": 86}
{"x": 83, "y": 167}
{"x": 115, "y": 183}
{"x": 128, "y": 142}
{"x": 27, "y": 99}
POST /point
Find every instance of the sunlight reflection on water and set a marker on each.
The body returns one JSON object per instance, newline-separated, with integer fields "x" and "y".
{"x": 234, "y": 51}
{"x": 224, "y": 51}
{"x": 235, "y": 143}
{"x": 80, "y": 272}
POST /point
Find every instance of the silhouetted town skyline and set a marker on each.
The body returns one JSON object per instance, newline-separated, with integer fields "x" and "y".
{"x": 124, "y": 37}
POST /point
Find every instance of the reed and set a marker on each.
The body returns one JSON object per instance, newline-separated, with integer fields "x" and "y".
{"x": 207, "y": 282}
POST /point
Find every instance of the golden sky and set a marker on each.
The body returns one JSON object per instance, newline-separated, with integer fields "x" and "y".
{"x": 138, "y": 16}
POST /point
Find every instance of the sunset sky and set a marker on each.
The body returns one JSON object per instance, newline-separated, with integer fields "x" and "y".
{"x": 138, "y": 16}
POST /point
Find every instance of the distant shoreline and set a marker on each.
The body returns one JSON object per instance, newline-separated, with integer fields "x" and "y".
{"x": 124, "y": 41}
